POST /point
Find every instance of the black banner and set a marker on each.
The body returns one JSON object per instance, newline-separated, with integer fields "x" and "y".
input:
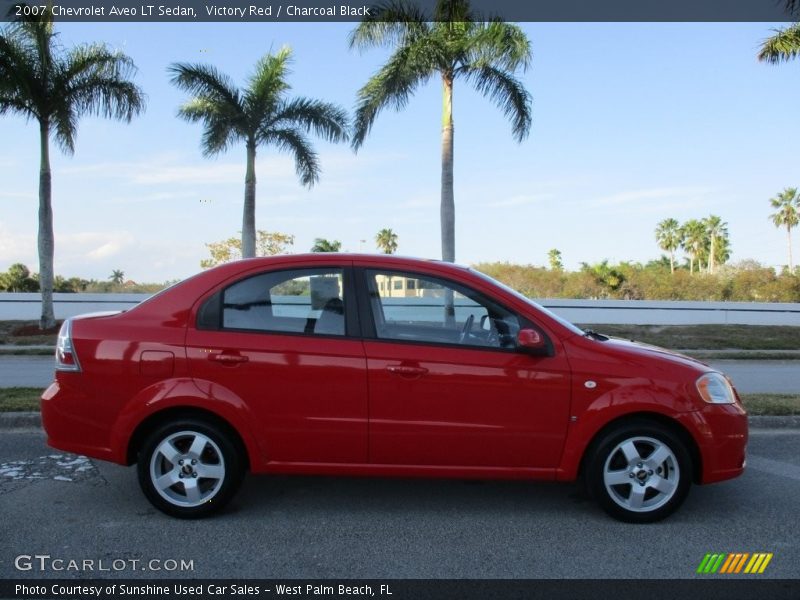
{"x": 268, "y": 11}
{"x": 731, "y": 588}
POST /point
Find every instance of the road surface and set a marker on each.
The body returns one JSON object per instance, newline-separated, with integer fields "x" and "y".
{"x": 309, "y": 527}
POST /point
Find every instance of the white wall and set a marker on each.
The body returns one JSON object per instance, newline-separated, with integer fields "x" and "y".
{"x": 27, "y": 307}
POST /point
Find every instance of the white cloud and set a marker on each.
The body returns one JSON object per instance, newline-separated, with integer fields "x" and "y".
{"x": 649, "y": 194}
{"x": 94, "y": 246}
{"x": 16, "y": 247}
{"x": 520, "y": 200}
{"x": 18, "y": 195}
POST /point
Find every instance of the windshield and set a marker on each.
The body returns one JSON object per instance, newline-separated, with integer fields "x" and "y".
{"x": 536, "y": 305}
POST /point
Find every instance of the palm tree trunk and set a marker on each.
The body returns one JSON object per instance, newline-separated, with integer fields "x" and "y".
{"x": 249, "y": 215}
{"x": 789, "y": 243}
{"x": 448, "y": 210}
{"x": 672, "y": 262}
{"x": 711, "y": 255}
{"x": 45, "y": 240}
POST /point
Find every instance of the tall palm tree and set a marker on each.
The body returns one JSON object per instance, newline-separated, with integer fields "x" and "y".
{"x": 386, "y": 240}
{"x": 716, "y": 231}
{"x": 258, "y": 115}
{"x": 323, "y": 245}
{"x": 117, "y": 277}
{"x": 783, "y": 46}
{"x": 787, "y": 214}
{"x": 694, "y": 237}
{"x": 455, "y": 45}
{"x": 669, "y": 238}
{"x": 43, "y": 81}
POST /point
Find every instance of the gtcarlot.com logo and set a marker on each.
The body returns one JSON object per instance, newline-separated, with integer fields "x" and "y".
{"x": 734, "y": 562}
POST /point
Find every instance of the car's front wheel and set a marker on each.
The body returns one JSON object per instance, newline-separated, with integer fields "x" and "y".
{"x": 639, "y": 472}
{"x": 189, "y": 468}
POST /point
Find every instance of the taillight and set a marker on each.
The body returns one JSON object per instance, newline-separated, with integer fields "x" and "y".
{"x": 66, "y": 359}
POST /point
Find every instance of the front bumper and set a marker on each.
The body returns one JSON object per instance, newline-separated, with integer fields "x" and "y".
{"x": 721, "y": 433}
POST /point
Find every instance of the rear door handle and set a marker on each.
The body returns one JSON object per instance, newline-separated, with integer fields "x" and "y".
{"x": 229, "y": 359}
{"x": 406, "y": 371}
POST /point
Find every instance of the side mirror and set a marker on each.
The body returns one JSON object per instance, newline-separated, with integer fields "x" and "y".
{"x": 531, "y": 339}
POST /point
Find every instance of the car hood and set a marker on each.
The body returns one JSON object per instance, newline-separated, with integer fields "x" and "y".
{"x": 647, "y": 352}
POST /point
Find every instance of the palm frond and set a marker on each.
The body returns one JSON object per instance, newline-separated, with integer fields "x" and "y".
{"x": 268, "y": 81}
{"x": 64, "y": 122}
{"x": 325, "y": 119}
{"x": 18, "y": 78}
{"x": 499, "y": 44}
{"x": 783, "y": 46}
{"x": 221, "y": 125}
{"x": 506, "y": 92}
{"x": 454, "y": 11}
{"x": 205, "y": 81}
{"x": 393, "y": 84}
{"x": 396, "y": 22}
{"x": 97, "y": 81}
{"x": 217, "y": 102}
{"x": 306, "y": 163}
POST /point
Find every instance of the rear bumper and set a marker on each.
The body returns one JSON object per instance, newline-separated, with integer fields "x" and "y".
{"x": 721, "y": 433}
{"x": 68, "y": 432}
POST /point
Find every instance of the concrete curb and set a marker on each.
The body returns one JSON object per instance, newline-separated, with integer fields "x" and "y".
{"x": 20, "y": 420}
{"x": 33, "y": 420}
{"x": 768, "y": 422}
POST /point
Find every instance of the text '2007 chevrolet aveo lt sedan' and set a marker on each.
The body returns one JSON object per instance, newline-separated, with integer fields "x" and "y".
{"x": 378, "y": 365}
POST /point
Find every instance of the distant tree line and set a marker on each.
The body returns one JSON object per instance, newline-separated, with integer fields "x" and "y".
{"x": 747, "y": 281}
{"x": 18, "y": 278}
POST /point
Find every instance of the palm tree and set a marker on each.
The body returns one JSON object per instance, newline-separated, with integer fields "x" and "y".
{"x": 259, "y": 114}
{"x": 783, "y": 46}
{"x": 555, "y": 259}
{"x": 323, "y": 245}
{"x": 456, "y": 45}
{"x": 117, "y": 277}
{"x": 668, "y": 236}
{"x": 43, "y": 81}
{"x": 386, "y": 240}
{"x": 716, "y": 231}
{"x": 694, "y": 236}
{"x": 786, "y": 215}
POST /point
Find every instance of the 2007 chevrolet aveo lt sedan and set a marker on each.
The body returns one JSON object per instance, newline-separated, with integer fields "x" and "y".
{"x": 378, "y": 365}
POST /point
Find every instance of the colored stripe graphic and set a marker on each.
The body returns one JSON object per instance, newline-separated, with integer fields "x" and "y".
{"x": 734, "y": 562}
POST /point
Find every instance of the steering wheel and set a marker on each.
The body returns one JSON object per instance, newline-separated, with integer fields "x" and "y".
{"x": 466, "y": 329}
{"x": 493, "y": 339}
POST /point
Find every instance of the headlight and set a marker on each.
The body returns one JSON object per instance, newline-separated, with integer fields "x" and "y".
{"x": 714, "y": 388}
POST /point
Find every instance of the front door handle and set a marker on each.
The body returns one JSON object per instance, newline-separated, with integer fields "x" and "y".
{"x": 406, "y": 370}
{"x": 229, "y": 359}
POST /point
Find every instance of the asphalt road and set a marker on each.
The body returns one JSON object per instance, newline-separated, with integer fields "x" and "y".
{"x": 750, "y": 376}
{"x": 305, "y": 527}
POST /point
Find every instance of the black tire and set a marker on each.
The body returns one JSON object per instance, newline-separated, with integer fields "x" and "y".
{"x": 183, "y": 490}
{"x": 651, "y": 464}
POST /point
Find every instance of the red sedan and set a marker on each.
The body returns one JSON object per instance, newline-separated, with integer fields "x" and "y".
{"x": 378, "y": 365}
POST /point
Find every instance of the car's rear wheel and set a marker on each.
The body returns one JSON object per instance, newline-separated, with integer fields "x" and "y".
{"x": 639, "y": 472}
{"x": 189, "y": 468}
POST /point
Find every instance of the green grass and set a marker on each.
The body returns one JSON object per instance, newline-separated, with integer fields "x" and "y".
{"x": 27, "y": 399}
{"x": 19, "y": 398}
{"x": 771, "y": 404}
{"x": 26, "y": 333}
{"x": 708, "y": 337}
{"x": 23, "y": 351}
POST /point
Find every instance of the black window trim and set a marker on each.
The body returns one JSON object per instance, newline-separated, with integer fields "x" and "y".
{"x": 349, "y": 297}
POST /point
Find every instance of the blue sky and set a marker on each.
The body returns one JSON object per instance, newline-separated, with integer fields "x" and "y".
{"x": 633, "y": 123}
